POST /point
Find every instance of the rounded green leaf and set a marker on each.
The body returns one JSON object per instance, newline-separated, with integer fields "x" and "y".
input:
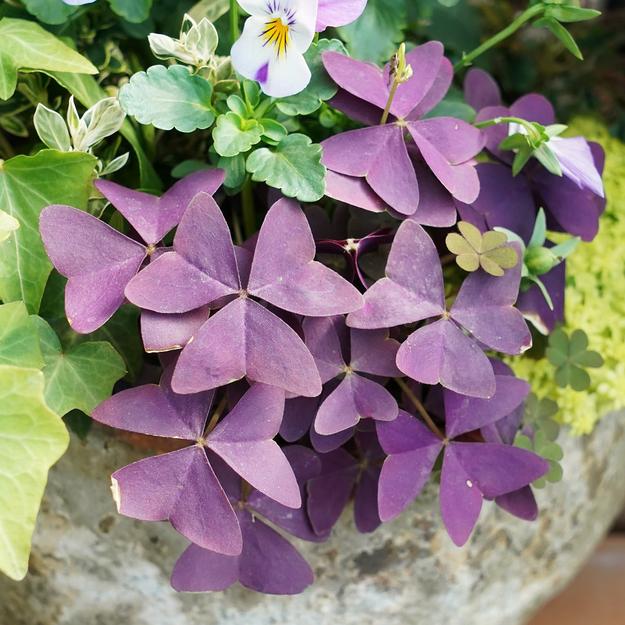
{"x": 293, "y": 166}
{"x": 233, "y": 135}
{"x": 169, "y": 97}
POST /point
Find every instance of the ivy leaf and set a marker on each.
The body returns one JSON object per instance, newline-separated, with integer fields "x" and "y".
{"x": 374, "y": 36}
{"x": 169, "y": 97}
{"x": 293, "y": 166}
{"x": 571, "y": 357}
{"x": 27, "y": 185}
{"x": 19, "y": 337}
{"x": 32, "y": 439}
{"x": 26, "y": 45}
{"x": 121, "y": 330}
{"x": 321, "y": 86}
{"x": 135, "y": 11}
{"x": 52, "y": 129}
{"x": 233, "y": 135}
{"x": 80, "y": 377}
{"x": 50, "y": 11}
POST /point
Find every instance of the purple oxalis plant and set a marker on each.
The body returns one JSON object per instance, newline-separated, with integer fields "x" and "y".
{"x": 271, "y": 346}
{"x": 243, "y": 338}
{"x": 372, "y": 167}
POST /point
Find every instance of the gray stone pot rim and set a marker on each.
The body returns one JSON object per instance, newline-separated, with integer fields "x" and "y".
{"x": 92, "y": 567}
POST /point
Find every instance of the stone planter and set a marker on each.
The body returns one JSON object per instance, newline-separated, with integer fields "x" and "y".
{"x": 92, "y": 567}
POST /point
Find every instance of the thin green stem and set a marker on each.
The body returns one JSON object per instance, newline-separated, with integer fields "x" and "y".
{"x": 527, "y": 15}
{"x": 420, "y": 408}
{"x": 249, "y": 214}
{"x": 532, "y": 133}
{"x": 389, "y": 102}
{"x": 234, "y": 20}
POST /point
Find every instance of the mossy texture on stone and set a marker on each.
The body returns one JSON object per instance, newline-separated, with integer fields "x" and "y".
{"x": 595, "y": 301}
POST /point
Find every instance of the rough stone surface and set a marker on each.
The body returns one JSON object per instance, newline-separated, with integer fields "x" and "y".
{"x": 92, "y": 567}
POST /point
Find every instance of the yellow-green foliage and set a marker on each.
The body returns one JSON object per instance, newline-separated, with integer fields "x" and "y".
{"x": 595, "y": 302}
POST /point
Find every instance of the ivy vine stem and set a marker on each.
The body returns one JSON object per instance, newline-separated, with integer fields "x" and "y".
{"x": 529, "y": 14}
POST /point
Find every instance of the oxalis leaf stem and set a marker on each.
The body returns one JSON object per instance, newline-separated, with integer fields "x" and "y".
{"x": 529, "y": 14}
{"x": 420, "y": 408}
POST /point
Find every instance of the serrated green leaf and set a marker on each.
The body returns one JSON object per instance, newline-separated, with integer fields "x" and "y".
{"x": 27, "y": 185}
{"x": 134, "y": 11}
{"x": 320, "y": 88}
{"x": 273, "y": 131}
{"x": 293, "y": 166}
{"x": 32, "y": 439}
{"x": 233, "y": 135}
{"x": 374, "y": 36}
{"x": 80, "y": 377}
{"x": 50, "y": 11}
{"x": 169, "y": 97}
{"x": 19, "y": 337}
{"x": 26, "y": 45}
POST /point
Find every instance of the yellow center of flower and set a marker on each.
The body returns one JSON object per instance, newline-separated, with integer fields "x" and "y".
{"x": 276, "y": 35}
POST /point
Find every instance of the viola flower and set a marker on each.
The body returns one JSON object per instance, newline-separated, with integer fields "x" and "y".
{"x": 373, "y": 167}
{"x": 181, "y": 486}
{"x": 441, "y": 351}
{"x": 268, "y": 563}
{"x": 100, "y": 261}
{"x": 341, "y": 352}
{"x": 471, "y": 471}
{"x": 272, "y": 46}
{"x": 573, "y": 201}
{"x": 244, "y": 338}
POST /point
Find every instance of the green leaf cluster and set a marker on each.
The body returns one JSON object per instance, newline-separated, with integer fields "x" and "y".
{"x": 571, "y": 357}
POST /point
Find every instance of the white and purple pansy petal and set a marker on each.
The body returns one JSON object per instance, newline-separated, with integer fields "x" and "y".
{"x": 271, "y": 48}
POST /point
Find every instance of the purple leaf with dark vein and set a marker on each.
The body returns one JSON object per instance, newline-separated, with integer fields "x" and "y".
{"x": 98, "y": 260}
{"x": 360, "y": 351}
{"x": 244, "y": 339}
{"x": 181, "y": 486}
{"x": 379, "y": 154}
{"x": 471, "y": 471}
{"x": 441, "y": 352}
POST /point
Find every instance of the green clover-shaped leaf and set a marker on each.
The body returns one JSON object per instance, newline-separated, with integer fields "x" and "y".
{"x": 473, "y": 250}
{"x": 571, "y": 357}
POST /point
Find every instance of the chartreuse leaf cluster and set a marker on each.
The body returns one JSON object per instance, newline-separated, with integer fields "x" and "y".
{"x": 32, "y": 439}
{"x": 570, "y": 356}
{"x": 26, "y": 45}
